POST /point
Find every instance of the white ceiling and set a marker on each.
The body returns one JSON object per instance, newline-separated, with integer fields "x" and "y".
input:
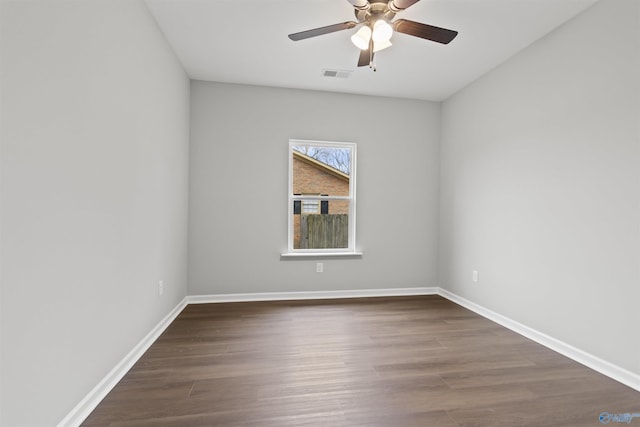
{"x": 245, "y": 41}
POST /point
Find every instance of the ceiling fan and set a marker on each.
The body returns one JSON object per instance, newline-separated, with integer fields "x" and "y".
{"x": 375, "y": 18}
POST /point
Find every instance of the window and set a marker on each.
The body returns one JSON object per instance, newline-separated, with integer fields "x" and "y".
{"x": 310, "y": 207}
{"x": 322, "y": 201}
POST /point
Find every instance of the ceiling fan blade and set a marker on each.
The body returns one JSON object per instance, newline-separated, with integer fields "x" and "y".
{"x": 322, "y": 30}
{"x": 397, "y": 5}
{"x": 366, "y": 55}
{"x": 364, "y": 58}
{"x": 429, "y": 32}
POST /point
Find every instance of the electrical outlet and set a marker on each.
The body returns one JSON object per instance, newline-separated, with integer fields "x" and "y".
{"x": 160, "y": 288}
{"x": 319, "y": 267}
{"x": 476, "y": 276}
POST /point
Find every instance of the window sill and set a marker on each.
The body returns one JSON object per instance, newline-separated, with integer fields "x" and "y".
{"x": 292, "y": 255}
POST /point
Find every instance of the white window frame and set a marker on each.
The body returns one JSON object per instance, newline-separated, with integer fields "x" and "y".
{"x": 350, "y": 250}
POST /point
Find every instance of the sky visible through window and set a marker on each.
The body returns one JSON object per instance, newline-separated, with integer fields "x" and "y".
{"x": 337, "y": 158}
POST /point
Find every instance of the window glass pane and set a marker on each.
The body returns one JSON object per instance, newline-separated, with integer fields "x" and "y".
{"x": 321, "y": 170}
{"x": 321, "y": 231}
{"x": 321, "y": 196}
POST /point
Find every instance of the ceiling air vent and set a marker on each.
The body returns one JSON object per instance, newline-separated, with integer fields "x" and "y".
{"x": 341, "y": 74}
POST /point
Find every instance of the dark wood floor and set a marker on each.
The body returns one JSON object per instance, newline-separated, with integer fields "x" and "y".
{"x": 410, "y": 361}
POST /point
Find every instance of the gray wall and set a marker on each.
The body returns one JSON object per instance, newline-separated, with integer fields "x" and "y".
{"x": 539, "y": 191}
{"x": 94, "y": 196}
{"x": 238, "y": 188}
{"x": 540, "y": 185}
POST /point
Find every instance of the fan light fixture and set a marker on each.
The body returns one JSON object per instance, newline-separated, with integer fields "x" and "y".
{"x": 361, "y": 38}
{"x": 380, "y": 35}
{"x": 378, "y": 46}
{"x": 381, "y": 31}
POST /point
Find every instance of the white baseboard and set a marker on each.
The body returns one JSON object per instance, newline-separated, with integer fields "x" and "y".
{"x": 606, "y": 368}
{"x": 310, "y": 295}
{"x": 84, "y": 408}
{"x": 95, "y": 396}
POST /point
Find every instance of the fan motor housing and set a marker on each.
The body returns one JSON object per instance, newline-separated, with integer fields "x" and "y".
{"x": 379, "y": 10}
